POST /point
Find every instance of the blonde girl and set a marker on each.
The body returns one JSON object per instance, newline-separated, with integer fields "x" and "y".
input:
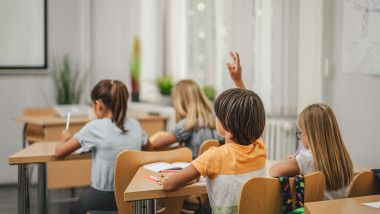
{"x": 325, "y": 151}
{"x": 195, "y": 121}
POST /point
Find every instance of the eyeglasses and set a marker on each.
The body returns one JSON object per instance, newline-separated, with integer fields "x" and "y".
{"x": 298, "y": 134}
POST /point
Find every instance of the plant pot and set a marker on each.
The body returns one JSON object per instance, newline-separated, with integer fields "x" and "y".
{"x": 135, "y": 97}
{"x": 165, "y": 100}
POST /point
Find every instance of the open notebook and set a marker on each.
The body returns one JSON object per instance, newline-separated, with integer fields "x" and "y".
{"x": 159, "y": 166}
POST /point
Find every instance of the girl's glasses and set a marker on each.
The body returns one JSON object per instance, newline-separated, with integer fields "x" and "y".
{"x": 298, "y": 134}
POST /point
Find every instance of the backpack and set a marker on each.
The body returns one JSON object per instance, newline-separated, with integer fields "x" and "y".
{"x": 287, "y": 197}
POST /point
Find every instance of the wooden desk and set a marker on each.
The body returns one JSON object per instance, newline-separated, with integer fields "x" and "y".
{"x": 141, "y": 189}
{"x": 344, "y": 206}
{"x": 76, "y": 173}
{"x": 40, "y": 153}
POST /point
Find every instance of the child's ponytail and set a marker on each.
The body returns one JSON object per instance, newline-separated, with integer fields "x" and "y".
{"x": 114, "y": 94}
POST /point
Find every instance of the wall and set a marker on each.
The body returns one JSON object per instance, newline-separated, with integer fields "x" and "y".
{"x": 353, "y": 97}
{"x": 20, "y": 91}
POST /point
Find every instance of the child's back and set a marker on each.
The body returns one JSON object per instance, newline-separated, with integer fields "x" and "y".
{"x": 196, "y": 122}
{"x": 106, "y": 141}
{"x": 240, "y": 120}
{"x": 324, "y": 151}
{"x": 227, "y": 168}
{"x": 105, "y": 137}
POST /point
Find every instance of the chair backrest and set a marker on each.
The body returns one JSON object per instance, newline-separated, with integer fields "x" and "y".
{"x": 207, "y": 144}
{"x": 32, "y": 130}
{"x": 128, "y": 162}
{"x": 38, "y": 112}
{"x": 263, "y": 195}
{"x": 363, "y": 184}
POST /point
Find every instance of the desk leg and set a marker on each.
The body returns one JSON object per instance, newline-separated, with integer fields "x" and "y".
{"x": 23, "y": 190}
{"x": 43, "y": 207}
{"x": 24, "y": 136}
{"x": 145, "y": 206}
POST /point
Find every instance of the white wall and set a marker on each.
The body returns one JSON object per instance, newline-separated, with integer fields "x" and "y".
{"x": 20, "y": 91}
{"x": 353, "y": 97}
{"x": 99, "y": 33}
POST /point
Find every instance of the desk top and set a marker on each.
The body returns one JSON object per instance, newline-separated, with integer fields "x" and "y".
{"x": 42, "y": 152}
{"x": 141, "y": 188}
{"x": 346, "y": 206}
{"x": 56, "y": 120}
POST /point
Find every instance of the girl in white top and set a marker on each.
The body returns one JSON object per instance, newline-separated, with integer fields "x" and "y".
{"x": 324, "y": 151}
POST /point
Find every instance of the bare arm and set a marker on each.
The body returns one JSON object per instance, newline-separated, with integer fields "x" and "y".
{"x": 67, "y": 144}
{"x": 148, "y": 146}
{"x": 235, "y": 70}
{"x": 165, "y": 141}
{"x": 181, "y": 178}
{"x": 287, "y": 168}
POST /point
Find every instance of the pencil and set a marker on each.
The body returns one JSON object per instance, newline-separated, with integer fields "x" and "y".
{"x": 68, "y": 121}
{"x": 298, "y": 150}
{"x": 150, "y": 178}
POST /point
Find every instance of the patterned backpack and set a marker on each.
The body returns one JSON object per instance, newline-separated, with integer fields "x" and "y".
{"x": 287, "y": 196}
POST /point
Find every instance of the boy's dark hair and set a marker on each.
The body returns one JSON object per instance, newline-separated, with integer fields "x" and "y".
{"x": 241, "y": 112}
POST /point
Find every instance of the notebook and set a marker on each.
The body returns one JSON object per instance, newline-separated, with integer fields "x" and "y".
{"x": 74, "y": 109}
{"x": 159, "y": 166}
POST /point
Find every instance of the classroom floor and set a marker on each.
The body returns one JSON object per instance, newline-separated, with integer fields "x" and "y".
{"x": 8, "y": 199}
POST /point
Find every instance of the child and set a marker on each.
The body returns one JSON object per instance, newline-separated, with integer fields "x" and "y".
{"x": 325, "y": 151}
{"x": 321, "y": 137}
{"x": 106, "y": 137}
{"x": 194, "y": 113}
{"x": 240, "y": 120}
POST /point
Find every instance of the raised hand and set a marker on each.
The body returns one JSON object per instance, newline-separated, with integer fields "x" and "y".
{"x": 235, "y": 70}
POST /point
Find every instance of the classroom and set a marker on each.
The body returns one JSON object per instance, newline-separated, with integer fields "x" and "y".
{"x": 291, "y": 54}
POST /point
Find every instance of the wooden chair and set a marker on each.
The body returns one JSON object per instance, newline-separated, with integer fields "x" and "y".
{"x": 35, "y": 133}
{"x": 207, "y": 144}
{"x": 204, "y": 147}
{"x": 363, "y": 184}
{"x": 263, "y": 195}
{"x": 127, "y": 164}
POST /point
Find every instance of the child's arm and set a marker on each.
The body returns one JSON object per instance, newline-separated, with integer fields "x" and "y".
{"x": 148, "y": 146}
{"x": 67, "y": 144}
{"x": 235, "y": 70}
{"x": 287, "y": 168}
{"x": 181, "y": 178}
{"x": 164, "y": 141}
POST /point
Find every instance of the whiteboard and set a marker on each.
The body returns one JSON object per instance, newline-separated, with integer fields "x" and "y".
{"x": 23, "y": 36}
{"x": 361, "y": 37}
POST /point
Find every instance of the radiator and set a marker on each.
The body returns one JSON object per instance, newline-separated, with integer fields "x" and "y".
{"x": 280, "y": 137}
{"x": 150, "y": 108}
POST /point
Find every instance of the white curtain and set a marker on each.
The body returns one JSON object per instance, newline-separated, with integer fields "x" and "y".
{"x": 193, "y": 38}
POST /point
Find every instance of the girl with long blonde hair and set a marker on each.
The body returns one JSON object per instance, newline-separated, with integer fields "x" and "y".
{"x": 195, "y": 120}
{"x": 324, "y": 151}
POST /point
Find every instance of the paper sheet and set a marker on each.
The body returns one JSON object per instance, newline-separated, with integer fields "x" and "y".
{"x": 373, "y": 204}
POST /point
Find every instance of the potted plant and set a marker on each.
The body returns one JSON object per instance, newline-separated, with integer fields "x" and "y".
{"x": 164, "y": 85}
{"x": 134, "y": 69}
{"x": 210, "y": 92}
{"x": 68, "y": 81}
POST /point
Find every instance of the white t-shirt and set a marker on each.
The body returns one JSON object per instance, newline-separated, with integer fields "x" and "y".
{"x": 305, "y": 162}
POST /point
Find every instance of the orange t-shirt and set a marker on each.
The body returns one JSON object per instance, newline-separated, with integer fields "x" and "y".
{"x": 231, "y": 159}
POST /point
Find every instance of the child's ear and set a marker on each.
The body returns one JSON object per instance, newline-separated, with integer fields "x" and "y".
{"x": 98, "y": 105}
